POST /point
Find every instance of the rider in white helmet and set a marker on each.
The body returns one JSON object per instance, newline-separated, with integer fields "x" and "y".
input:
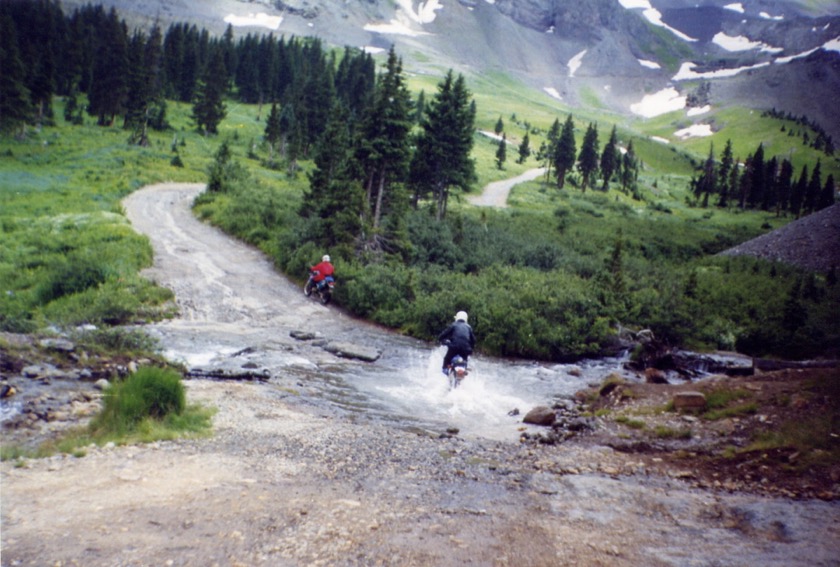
{"x": 320, "y": 272}
{"x": 459, "y": 339}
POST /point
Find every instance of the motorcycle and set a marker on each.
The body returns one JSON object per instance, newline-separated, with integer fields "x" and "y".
{"x": 323, "y": 288}
{"x": 457, "y": 371}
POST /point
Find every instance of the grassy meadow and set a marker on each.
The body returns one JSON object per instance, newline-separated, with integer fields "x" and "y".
{"x": 550, "y": 277}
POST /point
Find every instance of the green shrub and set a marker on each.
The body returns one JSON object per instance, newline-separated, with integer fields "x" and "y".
{"x": 150, "y": 392}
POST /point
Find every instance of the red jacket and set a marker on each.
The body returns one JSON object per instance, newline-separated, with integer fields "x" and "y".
{"x": 321, "y": 270}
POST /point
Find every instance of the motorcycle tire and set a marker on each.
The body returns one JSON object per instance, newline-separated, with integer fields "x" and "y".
{"x": 325, "y": 298}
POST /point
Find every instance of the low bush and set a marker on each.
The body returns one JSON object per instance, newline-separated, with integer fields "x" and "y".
{"x": 150, "y": 393}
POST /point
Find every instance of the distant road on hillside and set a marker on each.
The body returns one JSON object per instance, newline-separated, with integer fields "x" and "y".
{"x": 496, "y": 194}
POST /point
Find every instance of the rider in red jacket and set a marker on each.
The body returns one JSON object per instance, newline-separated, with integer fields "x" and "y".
{"x": 319, "y": 273}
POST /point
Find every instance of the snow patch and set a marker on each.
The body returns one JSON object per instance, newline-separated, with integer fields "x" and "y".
{"x": 694, "y": 131}
{"x": 553, "y": 92}
{"x": 373, "y": 50}
{"x": 697, "y": 111}
{"x": 654, "y": 16}
{"x": 686, "y": 72}
{"x": 798, "y": 56}
{"x": 833, "y": 45}
{"x": 262, "y": 20}
{"x": 649, "y": 64}
{"x": 662, "y": 102}
{"x": 574, "y": 63}
{"x": 742, "y": 43}
{"x": 660, "y": 140}
{"x": 405, "y": 16}
{"x": 736, "y": 7}
{"x": 767, "y": 16}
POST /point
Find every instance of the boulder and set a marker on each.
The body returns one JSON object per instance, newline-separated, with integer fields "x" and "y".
{"x": 689, "y": 401}
{"x": 349, "y": 350}
{"x": 655, "y": 376}
{"x": 540, "y": 415}
{"x": 305, "y": 335}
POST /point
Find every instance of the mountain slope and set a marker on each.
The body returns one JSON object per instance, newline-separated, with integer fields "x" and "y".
{"x": 759, "y": 54}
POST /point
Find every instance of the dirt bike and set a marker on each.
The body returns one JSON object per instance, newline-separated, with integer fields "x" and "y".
{"x": 323, "y": 288}
{"x": 457, "y": 371}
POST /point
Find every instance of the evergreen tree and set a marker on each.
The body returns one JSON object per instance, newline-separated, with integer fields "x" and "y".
{"x": 15, "y": 105}
{"x": 548, "y": 148}
{"x": 565, "y": 152}
{"x": 209, "y": 106}
{"x": 707, "y": 182}
{"x": 442, "y": 159}
{"x": 588, "y": 158}
{"x": 419, "y": 107}
{"x": 500, "y": 126}
{"x": 756, "y": 171}
{"x": 335, "y": 196}
{"x": 771, "y": 180}
{"x": 524, "y": 149}
{"x": 827, "y": 194}
{"x": 610, "y": 159}
{"x": 224, "y": 173}
{"x": 385, "y": 153}
{"x": 813, "y": 189}
{"x": 797, "y": 194}
{"x": 109, "y": 85}
{"x": 723, "y": 174}
{"x": 273, "y": 131}
{"x": 629, "y": 170}
{"x": 783, "y": 189}
{"x": 501, "y": 152}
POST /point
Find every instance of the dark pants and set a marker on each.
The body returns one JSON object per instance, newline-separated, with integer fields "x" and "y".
{"x": 453, "y": 351}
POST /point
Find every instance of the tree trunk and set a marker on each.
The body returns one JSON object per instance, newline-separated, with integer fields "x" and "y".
{"x": 378, "y": 212}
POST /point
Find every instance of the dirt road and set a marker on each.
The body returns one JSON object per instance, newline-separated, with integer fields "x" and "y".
{"x": 283, "y": 482}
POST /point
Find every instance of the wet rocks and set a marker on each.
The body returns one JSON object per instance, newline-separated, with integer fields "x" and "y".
{"x": 540, "y": 415}
{"x": 349, "y": 350}
{"x": 689, "y": 401}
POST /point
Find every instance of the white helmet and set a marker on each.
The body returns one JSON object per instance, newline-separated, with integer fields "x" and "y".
{"x": 461, "y": 316}
{"x": 325, "y": 258}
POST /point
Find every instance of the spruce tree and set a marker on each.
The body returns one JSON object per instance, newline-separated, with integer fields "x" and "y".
{"x": 813, "y": 189}
{"x": 566, "y": 152}
{"x": 335, "y": 197}
{"x": 442, "y": 158}
{"x": 629, "y": 170}
{"x": 273, "y": 132}
{"x": 524, "y": 149}
{"x": 501, "y": 152}
{"x": 783, "y": 188}
{"x": 723, "y": 174}
{"x": 385, "y": 152}
{"x": 588, "y": 158}
{"x": 109, "y": 85}
{"x": 610, "y": 159}
{"x": 548, "y": 149}
{"x": 797, "y": 194}
{"x": 827, "y": 194}
{"x": 15, "y": 105}
{"x": 209, "y": 106}
{"x": 500, "y": 127}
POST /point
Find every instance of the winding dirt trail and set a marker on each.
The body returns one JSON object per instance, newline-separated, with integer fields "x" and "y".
{"x": 496, "y": 194}
{"x": 282, "y": 482}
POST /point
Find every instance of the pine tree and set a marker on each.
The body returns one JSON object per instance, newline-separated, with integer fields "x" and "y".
{"x": 109, "y": 85}
{"x": 707, "y": 182}
{"x": 500, "y": 126}
{"x": 610, "y": 159}
{"x": 385, "y": 153}
{"x": 548, "y": 149}
{"x": 813, "y": 189}
{"x": 827, "y": 194}
{"x": 15, "y": 105}
{"x": 501, "y": 152}
{"x": 629, "y": 170}
{"x": 273, "y": 131}
{"x": 335, "y": 196}
{"x": 209, "y": 106}
{"x": 757, "y": 184}
{"x": 588, "y": 158}
{"x": 797, "y": 194}
{"x": 723, "y": 174}
{"x": 783, "y": 187}
{"x": 442, "y": 158}
{"x": 524, "y": 149}
{"x": 565, "y": 152}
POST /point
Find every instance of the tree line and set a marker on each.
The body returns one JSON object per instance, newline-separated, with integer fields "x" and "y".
{"x": 761, "y": 183}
